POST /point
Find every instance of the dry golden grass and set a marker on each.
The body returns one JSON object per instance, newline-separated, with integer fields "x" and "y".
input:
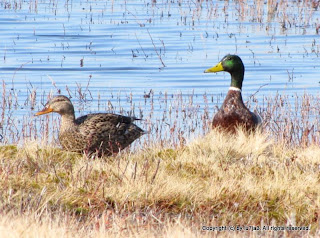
{"x": 217, "y": 180}
{"x": 30, "y": 226}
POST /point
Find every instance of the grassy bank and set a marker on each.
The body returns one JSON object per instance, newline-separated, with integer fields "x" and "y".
{"x": 217, "y": 180}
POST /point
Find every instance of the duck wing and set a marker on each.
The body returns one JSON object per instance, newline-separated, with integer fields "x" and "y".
{"x": 105, "y": 133}
{"x": 234, "y": 113}
{"x": 108, "y": 132}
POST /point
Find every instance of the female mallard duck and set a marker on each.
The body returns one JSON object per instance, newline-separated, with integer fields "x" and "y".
{"x": 233, "y": 112}
{"x": 100, "y": 133}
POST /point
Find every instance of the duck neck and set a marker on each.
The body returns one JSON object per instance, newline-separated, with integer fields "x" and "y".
{"x": 233, "y": 98}
{"x": 67, "y": 121}
{"x": 237, "y": 79}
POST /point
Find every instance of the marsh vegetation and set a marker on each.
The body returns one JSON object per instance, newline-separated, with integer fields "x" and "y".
{"x": 146, "y": 59}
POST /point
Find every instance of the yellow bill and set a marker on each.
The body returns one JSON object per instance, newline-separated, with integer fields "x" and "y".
{"x": 215, "y": 69}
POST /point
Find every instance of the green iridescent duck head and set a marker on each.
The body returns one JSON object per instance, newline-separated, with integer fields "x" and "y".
{"x": 232, "y": 64}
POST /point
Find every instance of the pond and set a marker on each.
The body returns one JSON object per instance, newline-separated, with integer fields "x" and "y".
{"x": 147, "y": 58}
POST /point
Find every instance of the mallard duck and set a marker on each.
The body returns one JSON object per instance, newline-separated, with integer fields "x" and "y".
{"x": 233, "y": 112}
{"x": 99, "y": 133}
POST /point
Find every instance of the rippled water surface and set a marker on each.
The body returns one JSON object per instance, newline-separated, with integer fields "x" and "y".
{"x": 105, "y": 52}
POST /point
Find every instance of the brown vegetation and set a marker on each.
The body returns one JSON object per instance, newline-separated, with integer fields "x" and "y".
{"x": 218, "y": 180}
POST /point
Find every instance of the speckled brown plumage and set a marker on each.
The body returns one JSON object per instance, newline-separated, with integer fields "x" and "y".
{"x": 100, "y": 133}
{"x": 233, "y": 113}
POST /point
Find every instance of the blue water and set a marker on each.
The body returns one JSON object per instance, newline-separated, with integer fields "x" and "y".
{"x": 121, "y": 49}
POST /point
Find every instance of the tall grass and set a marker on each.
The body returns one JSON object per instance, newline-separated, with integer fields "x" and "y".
{"x": 171, "y": 119}
{"x": 180, "y": 177}
{"x": 216, "y": 180}
{"x": 288, "y": 14}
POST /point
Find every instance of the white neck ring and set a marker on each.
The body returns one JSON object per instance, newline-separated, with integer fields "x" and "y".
{"x": 235, "y": 89}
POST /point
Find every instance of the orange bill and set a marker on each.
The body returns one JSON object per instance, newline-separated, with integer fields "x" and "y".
{"x": 44, "y": 111}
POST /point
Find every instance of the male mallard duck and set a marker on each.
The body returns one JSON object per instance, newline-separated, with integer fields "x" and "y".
{"x": 233, "y": 112}
{"x": 101, "y": 133}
